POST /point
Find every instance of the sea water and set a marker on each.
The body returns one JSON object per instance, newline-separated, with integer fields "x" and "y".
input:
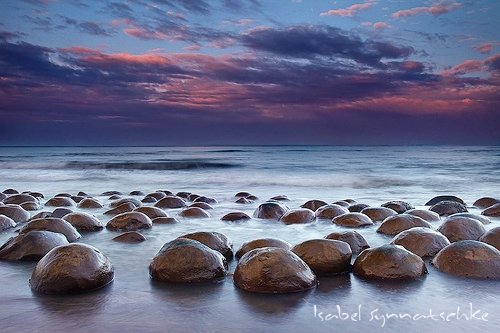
{"x": 368, "y": 174}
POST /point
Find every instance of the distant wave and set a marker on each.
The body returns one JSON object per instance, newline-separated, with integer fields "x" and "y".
{"x": 169, "y": 165}
{"x": 227, "y": 151}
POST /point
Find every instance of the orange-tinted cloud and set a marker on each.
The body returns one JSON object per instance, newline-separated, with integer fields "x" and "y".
{"x": 351, "y": 10}
{"x": 436, "y": 9}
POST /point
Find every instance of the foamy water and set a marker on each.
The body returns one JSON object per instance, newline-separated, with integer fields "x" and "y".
{"x": 133, "y": 302}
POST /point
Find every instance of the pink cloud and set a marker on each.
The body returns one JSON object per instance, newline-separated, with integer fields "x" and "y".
{"x": 436, "y": 9}
{"x": 381, "y": 25}
{"x": 145, "y": 34}
{"x": 127, "y": 58}
{"x": 81, "y": 51}
{"x": 351, "y": 10}
{"x": 484, "y": 48}
{"x": 192, "y": 48}
{"x": 489, "y": 64}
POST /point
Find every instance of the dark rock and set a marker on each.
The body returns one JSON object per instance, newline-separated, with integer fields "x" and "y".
{"x": 151, "y": 212}
{"x": 330, "y": 211}
{"x": 424, "y": 214}
{"x": 297, "y": 216}
{"x": 136, "y": 193}
{"x": 194, "y": 213}
{"x": 115, "y": 197}
{"x": 325, "y": 256}
{"x": 252, "y": 198}
{"x": 130, "y": 237}
{"x": 164, "y": 220}
{"x": 445, "y": 208}
{"x": 202, "y": 205}
{"x": 485, "y": 202}
{"x": 342, "y": 203}
{"x": 243, "y": 201}
{"x": 352, "y": 220}
{"x": 84, "y": 221}
{"x": 242, "y": 194}
{"x": 440, "y": 198}
{"x": 273, "y": 270}
{"x": 119, "y": 202}
{"x": 193, "y": 197}
{"x": 398, "y": 206}
{"x": 357, "y": 208}
{"x": 378, "y": 213}
{"x": 355, "y": 240}
{"x": 492, "y": 237}
{"x": 262, "y": 242}
{"x": 148, "y": 200}
{"x": 156, "y": 195}
{"x": 171, "y": 202}
{"x": 123, "y": 208}
{"x": 471, "y": 259}
{"x": 18, "y": 199}
{"x": 461, "y": 228}
{"x": 67, "y": 195}
{"x": 185, "y": 260}
{"x": 41, "y": 215}
{"x": 15, "y": 212}
{"x": 53, "y": 224}
{"x": 6, "y": 223}
{"x": 71, "y": 268}
{"x": 32, "y": 245}
{"x": 167, "y": 192}
{"x": 389, "y": 262}
{"x": 89, "y": 203}
{"x": 183, "y": 195}
{"x": 492, "y": 211}
{"x": 82, "y": 194}
{"x": 31, "y": 206}
{"x": 214, "y": 240}
{"x": 61, "y": 212}
{"x": 313, "y": 204}
{"x": 350, "y": 201}
{"x": 235, "y": 216}
{"x": 129, "y": 221}
{"x": 270, "y": 210}
{"x": 10, "y": 191}
{"x": 77, "y": 198}
{"x": 37, "y": 195}
{"x": 393, "y": 225}
{"x": 60, "y": 202}
{"x": 107, "y": 193}
{"x": 280, "y": 198}
{"x": 205, "y": 200}
{"x": 424, "y": 242}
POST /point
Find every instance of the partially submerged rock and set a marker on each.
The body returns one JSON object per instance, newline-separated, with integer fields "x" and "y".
{"x": 325, "y": 256}
{"x": 214, "y": 240}
{"x": 194, "y": 212}
{"x": 313, "y": 204}
{"x": 424, "y": 242}
{"x": 398, "y": 206}
{"x": 328, "y": 212}
{"x": 492, "y": 210}
{"x": 461, "y": 228}
{"x": 393, "y": 225}
{"x": 130, "y": 237}
{"x": 355, "y": 240}
{"x": 353, "y": 220}
{"x": 32, "y": 245}
{"x": 262, "y": 242}
{"x": 84, "y": 221}
{"x": 298, "y": 216}
{"x": 53, "y": 224}
{"x": 270, "y": 210}
{"x": 440, "y": 198}
{"x": 378, "y": 213}
{"x": 445, "y": 208}
{"x": 492, "y": 237}
{"x": 235, "y": 216}
{"x": 129, "y": 221}
{"x": 485, "y": 202}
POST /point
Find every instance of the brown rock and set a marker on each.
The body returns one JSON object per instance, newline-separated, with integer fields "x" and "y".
{"x": 148, "y": 200}
{"x": 273, "y": 270}
{"x": 30, "y": 206}
{"x": 235, "y": 216}
{"x": 89, "y": 203}
{"x": 194, "y": 213}
{"x": 53, "y": 224}
{"x": 378, "y": 213}
{"x": 424, "y": 214}
{"x": 480, "y": 218}
{"x": 71, "y": 268}
{"x": 262, "y": 242}
{"x": 485, "y": 202}
{"x": 389, "y": 262}
{"x": 15, "y": 212}
{"x": 171, "y": 202}
{"x": 461, "y": 228}
{"x": 357, "y": 208}
{"x": 313, "y": 204}
{"x": 60, "y": 202}
{"x": 202, "y": 205}
{"x": 424, "y": 242}
{"x": 130, "y": 237}
{"x": 185, "y": 260}
{"x": 84, "y": 221}
{"x": 297, "y": 216}
{"x": 492, "y": 210}
{"x": 164, "y": 220}
{"x": 129, "y": 221}
{"x": 123, "y": 208}
{"x": 119, "y": 202}
{"x": 10, "y": 191}
{"x": 325, "y": 256}
{"x": 107, "y": 193}
{"x": 242, "y": 194}
{"x": 183, "y": 195}
{"x": 151, "y": 212}
{"x": 18, "y": 199}
{"x": 156, "y": 195}
{"x": 280, "y": 198}
{"x": 342, "y": 203}
{"x": 492, "y": 237}
{"x": 354, "y": 239}
{"x": 6, "y": 223}
{"x": 214, "y": 240}
{"x": 471, "y": 259}
{"x": 243, "y": 201}
{"x": 445, "y": 208}
{"x": 330, "y": 211}
{"x": 398, "y": 206}
{"x": 61, "y": 212}
{"x": 32, "y": 245}
{"x": 440, "y": 198}
{"x": 137, "y": 193}
{"x": 64, "y": 194}
{"x": 206, "y": 200}
{"x": 270, "y": 210}
{"x": 393, "y": 225}
{"x": 77, "y": 198}
{"x": 352, "y": 220}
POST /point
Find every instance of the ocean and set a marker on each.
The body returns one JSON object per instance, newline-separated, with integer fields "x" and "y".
{"x": 368, "y": 174}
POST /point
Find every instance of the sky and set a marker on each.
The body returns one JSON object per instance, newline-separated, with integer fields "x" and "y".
{"x": 229, "y": 72}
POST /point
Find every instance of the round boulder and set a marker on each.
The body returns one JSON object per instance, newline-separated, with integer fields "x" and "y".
{"x": 84, "y": 221}
{"x": 148, "y": 200}
{"x": 325, "y": 256}
{"x": 214, "y": 240}
{"x": 18, "y": 199}
{"x": 123, "y": 208}
{"x": 262, "y": 242}
{"x": 492, "y": 237}
{"x": 32, "y": 245}
{"x": 15, "y": 212}
{"x": 445, "y": 208}
{"x": 185, "y": 260}
{"x": 357, "y": 208}
{"x": 424, "y": 214}
{"x": 471, "y": 259}
{"x": 194, "y": 213}
{"x": 352, "y": 220}
{"x": 424, "y": 242}
{"x": 398, "y": 206}
{"x": 119, "y": 202}
{"x": 393, "y": 225}
{"x": 129, "y": 221}
{"x": 171, "y": 201}
{"x": 61, "y": 212}
{"x": 485, "y": 202}
{"x": 355, "y": 240}
{"x": 202, "y": 205}
{"x": 314, "y": 204}
{"x": 235, "y": 216}
{"x": 6, "y": 223}
{"x": 298, "y": 216}
{"x": 156, "y": 195}
{"x": 205, "y": 200}
{"x": 440, "y": 198}
{"x": 328, "y": 212}
{"x": 243, "y": 201}
{"x": 389, "y": 262}
{"x": 273, "y": 270}
{"x": 480, "y": 218}
{"x": 461, "y": 228}
{"x": 492, "y": 210}
{"x": 280, "y": 198}
{"x": 31, "y": 205}
{"x": 378, "y": 213}
{"x": 53, "y": 224}
{"x": 60, "y": 202}
{"x": 270, "y": 210}
{"x": 130, "y": 237}
{"x": 89, "y": 203}
{"x": 71, "y": 268}
{"x": 164, "y": 220}
{"x": 151, "y": 212}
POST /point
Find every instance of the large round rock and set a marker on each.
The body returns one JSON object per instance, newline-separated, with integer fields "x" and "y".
{"x": 235, "y": 216}
{"x": 492, "y": 210}
{"x": 398, "y": 206}
{"x": 123, "y": 208}
{"x": 129, "y": 221}
{"x": 270, "y": 210}
{"x": 6, "y": 223}
{"x": 151, "y": 212}
{"x": 18, "y": 199}
{"x": 424, "y": 214}
{"x": 389, "y": 262}
{"x": 313, "y": 204}
{"x": 186, "y": 260}
{"x": 214, "y": 240}
{"x": 273, "y": 270}
{"x": 440, "y": 198}
{"x": 378, "y": 213}
{"x": 470, "y": 259}
{"x": 353, "y": 220}
{"x": 32, "y": 245}
{"x": 461, "y": 228}
{"x": 492, "y": 237}
{"x": 60, "y": 202}
{"x": 194, "y": 213}
{"x": 71, "y": 268}
{"x": 298, "y": 216}
{"x": 355, "y": 240}
{"x": 445, "y": 208}
{"x": 483, "y": 219}
{"x": 330, "y": 211}
{"x": 325, "y": 256}
{"x": 424, "y": 242}
{"x": 84, "y": 221}
{"x": 486, "y": 202}
{"x": 15, "y": 212}
{"x": 171, "y": 202}
{"x": 262, "y": 242}
{"x": 89, "y": 203}
{"x": 393, "y": 225}
{"x": 53, "y": 224}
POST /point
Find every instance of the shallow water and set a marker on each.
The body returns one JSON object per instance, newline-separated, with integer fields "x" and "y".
{"x": 133, "y": 302}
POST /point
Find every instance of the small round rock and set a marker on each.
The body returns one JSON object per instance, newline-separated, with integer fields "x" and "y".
{"x": 298, "y": 216}
{"x": 393, "y": 225}
{"x": 235, "y": 216}
{"x": 355, "y": 240}
{"x": 130, "y": 237}
{"x": 353, "y": 220}
{"x": 129, "y": 221}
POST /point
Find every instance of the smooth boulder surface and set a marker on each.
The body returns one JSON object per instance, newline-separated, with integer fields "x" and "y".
{"x": 118, "y": 202}
{"x": 461, "y": 228}
{"x": 398, "y": 206}
{"x": 84, "y": 221}
{"x": 18, "y": 199}
{"x": 194, "y": 213}
{"x": 235, "y": 216}
{"x": 353, "y": 220}
{"x": 280, "y": 198}
{"x": 164, "y": 220}
{"x": 171, "y": 202}
{"x": 440, "y": 198}
{"x": 492, "y": 237}
{"x": 270, "y": 211}
{"x": 424, "y": 214}
{"x": 262, "y": 242}
{"x": 298, "y": 216}
{"x": 273, "y": 270}
{"x": 53, "y": 224}
{"x": 389, "y": 262}
{"x": 328, "y": 212}
{"x": 424, "y": 242}
{"x": 485, "y": 202}
{"x": 214, "y": 240}
{"x": 202, "y": 205}
{"x": 156, "y": 195}
{"x": 71, "y": 268}
{"x": 129, "y": 221}
{"x": 205, "y": 200}
{"x": 471, "y": 259}
{"x": 32, "y": 245}
{"x": 60, "y": 202}
{"x": 61, "y": 212}
{"x": 445, "y": 208}
{"x": 325, "y": 256}
{"x": 123, "y": 208}
{"x": 493, "y": 211}
{"x": 148, "y": 200}
{"x": 151, "y": 212}
{"x": 15, "y": 212}
{"x": 6, "y": 223}
{"x": 378, "y": 213}
{"x": 89, "y": 203}
{"x": 355, "y": 240}
{"x": 393, "y": 225}
{"x": 30, "y": 206}
{"x": 185, "y": 261}
{"x": 130, "y": 237}
{"x": 483, "y": 219}
{"x": 313, "y": 204}
{"x": 243, "y": 201}
{"x": 357, "y": 208}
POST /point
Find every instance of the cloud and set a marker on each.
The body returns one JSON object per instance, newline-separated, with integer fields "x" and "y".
{"x": 484, "y": 48}
{"x": 92, "y": 28}
{"x": 381, "y": 25}
{"x": 436, "y": 9}
{"x": 491, "y": 63}
{"x": 351, "y": 10}
{"x": 144, "y": 34}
